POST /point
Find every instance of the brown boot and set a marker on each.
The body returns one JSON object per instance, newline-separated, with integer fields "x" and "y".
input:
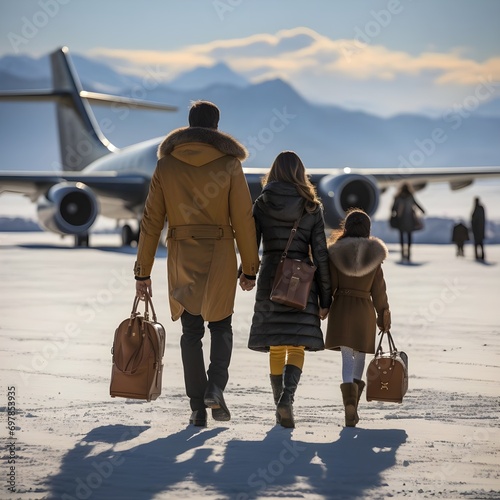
{"x": 361, "y": 385}
{"x": 350, "y": 398}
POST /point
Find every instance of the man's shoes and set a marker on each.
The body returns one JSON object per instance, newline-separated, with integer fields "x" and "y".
{"x": 199, "y": 418}
{"x": 214, "y": 399}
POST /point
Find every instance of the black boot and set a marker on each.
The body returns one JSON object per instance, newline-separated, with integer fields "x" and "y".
{"x": 291, "y": 379}
{"x": 214, "y": 399}
{"x": 199, "y": 418}
{"x": 277, "y": 386}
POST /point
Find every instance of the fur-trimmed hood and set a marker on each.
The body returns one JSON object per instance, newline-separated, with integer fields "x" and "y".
{"x": 358, "y": 256}
{"x": 221, "y": 141}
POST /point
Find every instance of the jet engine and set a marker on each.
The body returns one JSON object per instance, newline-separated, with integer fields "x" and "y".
{"x": 341, "y": 192}
{"x": 68, "y": 208}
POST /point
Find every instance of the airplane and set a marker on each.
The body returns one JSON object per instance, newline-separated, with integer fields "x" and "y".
{"x": 98, "y": 178}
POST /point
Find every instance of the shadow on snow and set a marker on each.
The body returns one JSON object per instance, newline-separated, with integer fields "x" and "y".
{"x": 278, "y": 465}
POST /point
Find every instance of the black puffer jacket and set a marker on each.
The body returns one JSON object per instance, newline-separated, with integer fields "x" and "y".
{"x": 275, "y": 212}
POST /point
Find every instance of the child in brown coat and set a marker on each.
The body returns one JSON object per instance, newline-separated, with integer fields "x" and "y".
{"x": 359, "y": 302}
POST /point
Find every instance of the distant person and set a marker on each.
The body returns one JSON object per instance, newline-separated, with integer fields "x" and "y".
{"x": 407, "y": 220}
{"x": 478, "y": 224}
{"x": 359, "y": 305}
{"x": 201, "y": 260}
{"x": 459, "y": 236}
{"x": 283, "y": 331}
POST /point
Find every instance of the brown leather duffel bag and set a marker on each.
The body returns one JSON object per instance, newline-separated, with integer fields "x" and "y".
{"x": 138, "y": 348}
{"x": 387, "y": 374}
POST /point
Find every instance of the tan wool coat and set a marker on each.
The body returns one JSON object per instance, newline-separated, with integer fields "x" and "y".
{"x": 359, "y": 294}
{"x": 200, "y": 189}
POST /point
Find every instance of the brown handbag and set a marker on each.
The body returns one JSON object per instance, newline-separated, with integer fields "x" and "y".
{"x": 293, "y": 280}
{"x": 138, "y": 348}
{"x": 387, "y": 374}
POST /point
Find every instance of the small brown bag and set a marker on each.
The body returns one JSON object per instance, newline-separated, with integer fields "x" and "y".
{"x": 138, "y": 348}
{"x": 387, "y": 374}
{"x": 293, "y": 280}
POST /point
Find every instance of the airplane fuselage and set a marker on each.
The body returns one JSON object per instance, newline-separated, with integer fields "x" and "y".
{"x": 132, "y": 161}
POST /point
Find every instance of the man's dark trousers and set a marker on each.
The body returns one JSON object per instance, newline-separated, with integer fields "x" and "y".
{"x": 221, "y": 346}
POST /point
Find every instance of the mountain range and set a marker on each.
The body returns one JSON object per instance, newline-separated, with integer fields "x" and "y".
{"x": 267, "y": 117}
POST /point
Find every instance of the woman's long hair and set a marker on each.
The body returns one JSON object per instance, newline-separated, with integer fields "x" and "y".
{"x": 288, "y": 167}
{"x": 356, "y": 224}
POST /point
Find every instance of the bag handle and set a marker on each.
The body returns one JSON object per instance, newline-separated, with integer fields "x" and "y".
{"x": 290, "y": 238}
{"x": 392, "y": 345}
{"x": 148, "y": 302}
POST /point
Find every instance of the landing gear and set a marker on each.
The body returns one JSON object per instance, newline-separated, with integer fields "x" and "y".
{"x": 82, "y": 240}
{"x": 129, "y": 236}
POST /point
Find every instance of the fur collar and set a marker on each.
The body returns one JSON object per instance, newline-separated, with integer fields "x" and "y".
{"x": 358, "y": 256}
{"x": 219, "y": 140}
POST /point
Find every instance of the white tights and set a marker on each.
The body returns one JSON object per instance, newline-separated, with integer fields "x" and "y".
{"x": 353, "y": 364}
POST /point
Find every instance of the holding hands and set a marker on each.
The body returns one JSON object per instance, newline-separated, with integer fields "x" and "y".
{"x": 245, "y": 283}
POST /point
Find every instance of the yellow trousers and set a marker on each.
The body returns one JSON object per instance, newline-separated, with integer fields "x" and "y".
{"x": 281, "y": 355}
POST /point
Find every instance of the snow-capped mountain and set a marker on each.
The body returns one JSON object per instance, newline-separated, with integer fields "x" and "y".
{"x": 202, "y": 77}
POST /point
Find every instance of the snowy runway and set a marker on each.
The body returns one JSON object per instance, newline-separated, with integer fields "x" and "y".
{"x": 59, "y": 307}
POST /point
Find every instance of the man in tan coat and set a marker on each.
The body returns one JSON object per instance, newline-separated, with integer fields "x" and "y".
{"x": 199, "y": 188}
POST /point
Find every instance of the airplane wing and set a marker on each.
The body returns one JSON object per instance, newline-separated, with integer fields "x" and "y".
{"x": 121, "y": 195}
{"x": 456, "y": 177}
{"x": 68, "y": 202}
{"x": 341, "y": 189}
{"x": 105, "y": 184}
{"x": 363, "y": 188}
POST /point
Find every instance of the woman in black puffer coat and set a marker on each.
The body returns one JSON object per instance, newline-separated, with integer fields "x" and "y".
{"x": 283, "y": 331}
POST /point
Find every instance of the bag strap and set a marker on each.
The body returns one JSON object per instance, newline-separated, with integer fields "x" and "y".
{"x": 149, "y": 301}
{"x": 392, "y": 345}
{"x": 135, "y": 360}
{"x": 148, "y": 304}
{"x": 290, "y": 238}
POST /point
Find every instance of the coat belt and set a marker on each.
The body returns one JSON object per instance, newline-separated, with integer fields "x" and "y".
{"x": 198, "y": 231}
{"x": 350, "y": 292}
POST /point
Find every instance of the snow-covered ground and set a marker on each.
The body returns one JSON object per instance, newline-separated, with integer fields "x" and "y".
{"x": 59, "y": 307}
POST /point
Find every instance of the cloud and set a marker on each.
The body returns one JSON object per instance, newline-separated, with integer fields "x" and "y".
{"x": 364, "y": 61}
{"x": 344, "y": 72}
{"x": 301, "y": 50}
{"x": 134, "y": 61}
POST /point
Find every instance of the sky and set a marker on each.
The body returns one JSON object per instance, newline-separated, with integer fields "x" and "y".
{"x": 380, "y": 56}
